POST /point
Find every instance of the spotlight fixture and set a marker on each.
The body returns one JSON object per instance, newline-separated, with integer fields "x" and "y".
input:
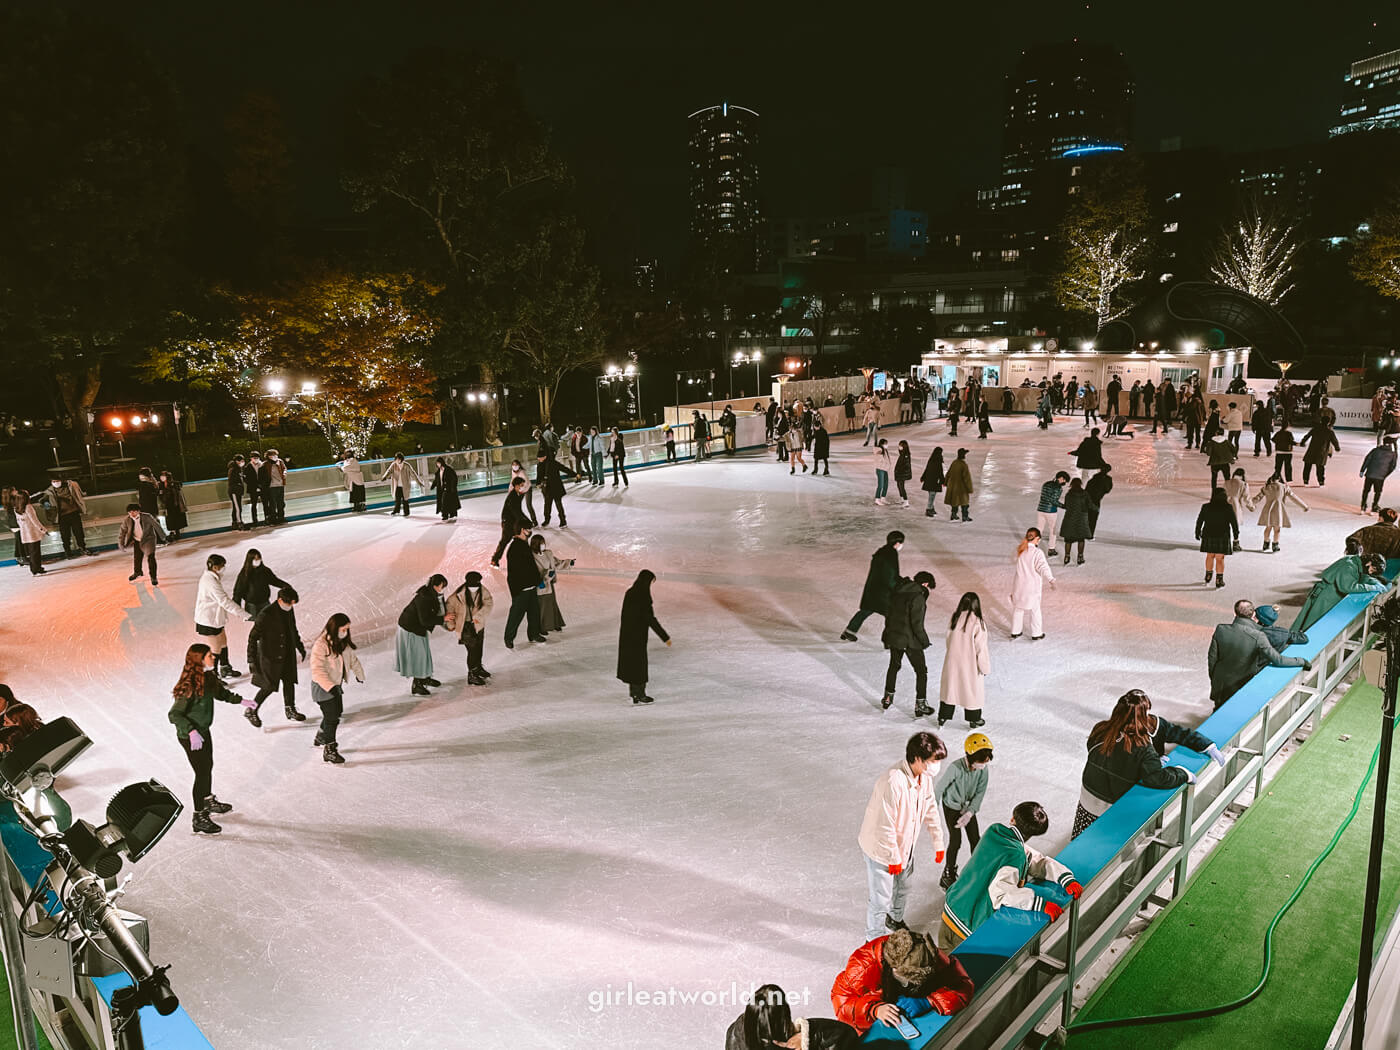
{"x": 33, "y": 761}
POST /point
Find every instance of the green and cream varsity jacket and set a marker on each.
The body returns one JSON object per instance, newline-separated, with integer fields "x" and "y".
{"x": 995, "y": 877}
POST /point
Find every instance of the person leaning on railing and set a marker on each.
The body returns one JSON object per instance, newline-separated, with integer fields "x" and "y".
{"x": 1381, "y": 537}
{"x": 902, "y": 974}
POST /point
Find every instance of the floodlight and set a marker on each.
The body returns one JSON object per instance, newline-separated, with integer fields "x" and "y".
{"x": 34, "y": 760}
{"x": 153, "y": 419}
{"x": 136, "y": 421}
{"x": 275, "y": 385}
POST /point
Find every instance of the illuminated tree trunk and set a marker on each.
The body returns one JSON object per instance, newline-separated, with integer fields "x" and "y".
{"x": 490, "y": 408}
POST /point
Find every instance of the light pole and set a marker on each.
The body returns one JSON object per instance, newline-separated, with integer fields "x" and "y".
{"x": 741, "y": 359}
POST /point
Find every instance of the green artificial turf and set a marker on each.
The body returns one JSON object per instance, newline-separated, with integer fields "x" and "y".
{"x": 1207, "y": 948}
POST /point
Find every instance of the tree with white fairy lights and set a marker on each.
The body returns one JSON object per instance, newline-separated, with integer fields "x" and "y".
{"x": 1105, "y": 244}
{"x": 1256, "y": 253}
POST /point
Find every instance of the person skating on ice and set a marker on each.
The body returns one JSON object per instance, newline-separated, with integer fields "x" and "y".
{"x": 354, "y": 479}
{"x": 550, "y": 567}
{"x": 1378, "y": 465}
{"x": 966, "y": 663}
{"x": 523, "y": 578}
{"x": 252, "y": 590}
{"x": 192, "y": 715}
{"x": 960, "y": 789}
{"x": 172, "y": 495}
{"x": 902, "y": 804}
{"x": 1097, "y": 487}
{"x": 512, "y": 517}
{"x": 401, "y": 477}
{"x": 66, "y": 506}
{"x": 617, "y": 452}
{"x": 468, "y": 609}
{"x": 551, "y": 487}
{"x": 140, "y": 532}
{"x": 448, "y": 502}
{"x": 1031, "y": 572}
{"x": 903, "y": 472}
{"x": 904, "y": 636}
{"x": 1219, "y": 532}
{"x": 236, "y": 489}
{"x": 638, "y": 621}
{"x": 958, "y": 491}
{"x": 932, "y": 481}
{"x": 1273, "y": 500}
{"x": 880, "y": 581}
{"x": 1047, "y": 509}
{"x": 333, "y": 661}
{"x": 527, "y": 492}
{"x": 32, "y": 532}
{"x": 213, "y": 607}
{"x": 793, "y": 441}
{"x": 1236, "y": 488}
{"x": 273, "y": 647}
{"x": 821, "y": 446}
{"x": 413, "y": 653}
{"x": 1075, "y": 528}
{"x": 884, "y": 464}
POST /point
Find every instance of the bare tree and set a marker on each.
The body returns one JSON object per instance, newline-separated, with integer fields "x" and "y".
{"x": 1105, "y": 248}
{"x": 1255, "y": 254}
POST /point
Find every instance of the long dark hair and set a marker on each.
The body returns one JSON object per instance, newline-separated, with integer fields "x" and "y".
{"x": 1129, "y": 727}
{"x": 191, "y": 681}
{"x": 970, "y": 602}
{"x": 247, "y": 569}
{"x": 644, "y": 580}
{"x": 767, "y": 1018}
{"x": 332, "y": 632}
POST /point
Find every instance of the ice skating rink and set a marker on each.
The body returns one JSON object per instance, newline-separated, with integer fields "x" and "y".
{"x": 493, "y": 867}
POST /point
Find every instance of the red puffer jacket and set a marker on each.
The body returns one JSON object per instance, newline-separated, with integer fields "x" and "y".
{"x": 857, "y": 990}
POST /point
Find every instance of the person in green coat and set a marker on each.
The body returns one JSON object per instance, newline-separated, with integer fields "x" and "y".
{"x": 1350, "y": 574}
{"x": 192, "y": 714}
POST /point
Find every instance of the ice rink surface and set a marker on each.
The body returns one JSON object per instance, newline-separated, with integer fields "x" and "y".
{"x": 493, "y": 866}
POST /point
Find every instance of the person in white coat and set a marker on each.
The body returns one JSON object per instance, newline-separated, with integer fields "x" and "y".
{"x": 400, "y": 475}
{"x": 1032, "y": 573}
{"x": 1273, "y": 500}
{"x": 31, "y": 531}
{"x": 212, "y": 608}
{"x": 966, "y": 663}
{"x": 884, "y": 466}
{"x": 1236, "y": 488}
{"x": 904, "y": 801}
{"x": 354, "y": 479}
{"x": 466, "y": 613}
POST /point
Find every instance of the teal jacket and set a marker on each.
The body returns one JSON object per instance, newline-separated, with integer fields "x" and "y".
{"x": 961, "y": 788}
{"x": 995, "y": 877}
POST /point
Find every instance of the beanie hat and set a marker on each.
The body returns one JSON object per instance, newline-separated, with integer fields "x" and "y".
{"x": 912, "y": 958}
{"x": 1266, "y": 614}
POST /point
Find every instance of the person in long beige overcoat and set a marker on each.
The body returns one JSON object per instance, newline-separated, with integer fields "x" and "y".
{"x": 1273, "y": 501}
{"x": 957, "y": 491}
{"x": 966, "y": 663}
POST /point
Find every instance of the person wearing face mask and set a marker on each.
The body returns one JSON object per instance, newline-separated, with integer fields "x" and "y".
{"x": 272, "y": 477}
{"x": 177, "y": 517}
{"x": 66, "y": 506}
{"x": 333, "y": 660}
{"x": 400, "y": 475}
{"x": 252, "y": 474}
{"x": 880, "y": 581}
{"x": 413, "y": 656}
{"x": 354, "y": 480}
{"x": 236, "y": 488}
{"x": 140, "y": 533}
{"x": 192, "y": 714}
{"x": 147, "y": 492}
{"x": 273, "y": 645}
{"x": 467, "y": 610}
{"x": 212, "y": 608}
{"x": 253, "y": 588}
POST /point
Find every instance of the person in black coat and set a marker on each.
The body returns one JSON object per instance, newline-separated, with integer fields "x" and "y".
{"x": 880, "y": 581}
{"x": 147, "y": 492}
{"x": 413, "y": 655}
{"x": 1097, "y": 487}
{"x": 821, "y": 445}
{"x": 767, "y": 1022}
{"x": 904, "y": 635}
{"x": 445, "y": 483}
{"x": 253, "y": 588}
{"x": 548, "y": 481}
{"x": 273, "y": 645}
{"x": 236, "y": 489}
{"x": 254, "y": 486}
{"x": 932, "y": 480}
{"x": 523, "y": 578}
{"x": 1218, "y": 529}
{"x": 638, "y": 617}
{"x": 1089, "y": 454}
{"x": 512, "y": 517}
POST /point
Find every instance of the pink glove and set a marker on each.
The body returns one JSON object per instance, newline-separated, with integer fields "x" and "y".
{"x": 196, "y": 741}
{"x": 249, "y": 703}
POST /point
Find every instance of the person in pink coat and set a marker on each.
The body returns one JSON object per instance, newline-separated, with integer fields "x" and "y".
{"x": 1032, "y": 573}
{"x": 966, "y": 663}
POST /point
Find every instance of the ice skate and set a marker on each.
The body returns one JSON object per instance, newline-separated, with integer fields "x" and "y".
{"x": 329, "y": 753}
{"x": 293, "y": 715}
{"x": 251, "y": 714}
{"x": 847, "y": 636}
{"x": 203, "y": 825}
{"x": 213, "y": 805}
{"x": 921, "y": 709}
{"x": 950, "y": 876}
{"x": 885, "y": 701}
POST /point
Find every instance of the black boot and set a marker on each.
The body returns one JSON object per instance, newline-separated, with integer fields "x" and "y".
{"x": 251, "y": 714}
{"x": 419, "y": 689}
{"x": 213, "y": 805}
{"x": 293, "y": 715}
{"x": 950, "y": 875}
{"x": 203, "y": 825}
{"x": 475, "y": 679}
{"x": 320, "y": 739}
{"x": 921, "y": 709}
{"x": 432, "y": 682}
{"x": 886, "y": 701}
{"x": 329, "y": 753}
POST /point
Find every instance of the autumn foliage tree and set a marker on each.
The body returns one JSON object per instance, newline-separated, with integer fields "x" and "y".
{"x": 1376, "y": 261}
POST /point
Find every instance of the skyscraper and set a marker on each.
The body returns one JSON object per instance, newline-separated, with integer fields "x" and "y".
{"x": 1062, "y": 100}
{"x": 724, "y": 208}
{"x": 1371, "y": 95}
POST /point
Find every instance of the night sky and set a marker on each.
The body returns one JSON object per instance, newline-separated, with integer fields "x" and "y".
{"x": 840, "y": 86}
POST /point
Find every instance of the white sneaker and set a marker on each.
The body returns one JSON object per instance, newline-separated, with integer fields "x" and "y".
{"x": 904, "y": 503}
{"x": 879, "y": 502}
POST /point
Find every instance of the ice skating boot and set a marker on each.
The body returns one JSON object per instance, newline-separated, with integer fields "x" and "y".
{"x": 251, "y": 714}
{"x": 203, "y": 825}
{"x": 895, "y": 924}
{"x": 293, "y": 715}
{"x": 847, "y": 636}
{"x": 432, "y": 682}
{"x": 1209, "y": 576}
{"x": 330, "y": 753}
{"x": 213, "y": 805}
{"x": 886, "y": 701}
{"x": 419, "y": 689}
{"x": 476, "y": 679}
{"x": 950, "y": 875}
{"x": 1219, "y": 580}
{"x": 1275, "y": 548}
{"x": 320, "y": 739}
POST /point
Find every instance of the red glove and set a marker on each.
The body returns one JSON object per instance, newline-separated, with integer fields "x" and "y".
{"x": 895, "y": 869}
{"x": 1074, "y": 889}
{"x": 1053, "y": 910}
{"x": 938, "y": 857}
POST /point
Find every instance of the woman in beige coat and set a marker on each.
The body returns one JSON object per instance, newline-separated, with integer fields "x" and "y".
{"x": 550, "y": 617}
{"x": 1273, "y": 502}
{"x": 966, "y": 663}
{"x": 333, "y": 661}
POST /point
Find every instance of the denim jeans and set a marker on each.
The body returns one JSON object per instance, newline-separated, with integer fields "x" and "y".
{"x": 871, "y": 429}
{"x": 887, "y": 895}
{"x": 882, "y": 483}
{"x": 597, "y": 468}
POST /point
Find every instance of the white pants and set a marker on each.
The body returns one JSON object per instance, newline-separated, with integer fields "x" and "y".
{"x": 1045, "y": 522}
{"x": 1017, "y": 615}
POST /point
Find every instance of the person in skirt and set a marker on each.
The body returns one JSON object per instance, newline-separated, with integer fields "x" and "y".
{"x": 1218, "y": 529}
{"x": 1273, "y": 500}
{"x": 550, "y": 567}
{"x": 413, "y": 656}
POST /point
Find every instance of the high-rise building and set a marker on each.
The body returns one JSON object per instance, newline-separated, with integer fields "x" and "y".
{"x": 1062, "y": 101}
{"x": 724, "y": 206}
{"x": 1371, "y": 95}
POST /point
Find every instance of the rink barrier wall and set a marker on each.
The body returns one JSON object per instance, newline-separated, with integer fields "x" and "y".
{"x": 1024, "y": 968}
{"x": 319, "y": 492}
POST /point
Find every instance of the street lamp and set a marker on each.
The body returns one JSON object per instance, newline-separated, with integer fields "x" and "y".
{"x": 740, "y": 358}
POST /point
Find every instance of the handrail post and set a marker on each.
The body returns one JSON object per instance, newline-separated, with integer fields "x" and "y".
{"x": 1263, "y": 751}
{"x": 1188, "y": 807}
{"x": 1071, "y": 969}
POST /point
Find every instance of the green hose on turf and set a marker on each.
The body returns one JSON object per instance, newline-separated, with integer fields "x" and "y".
{"x": 1212, "y": 1011}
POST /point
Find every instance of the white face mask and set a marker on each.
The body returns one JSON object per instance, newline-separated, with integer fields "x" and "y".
{"x": 257, "y": 561}
{"x": 56, "y": 483}
{"x": 345, "y": 632}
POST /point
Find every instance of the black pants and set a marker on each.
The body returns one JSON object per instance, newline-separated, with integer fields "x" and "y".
{"x": 952, "y": 424}
{"x": 556, "y": 501}
{"x": 136, "y": 556}
{"x": 1093, "y": 522}
{"x": 70, "y": 527}
{"x": 619, "y": 465}
{"x": 1268, "y": 442}
{"x": 235, "y": 500}
{"x": 32, "y": 555}
{"x": 1321, "y": 472}
{"x": 1112, "y": 409}
{"x": 331, "y": 710}
{"x": 524, "y": 605}
{"x": 1069, "y": 548}
{"x": 581, "y": 466}
{"x": 1193, "y": 434}
{"x": 508, "y": 531}
{"x": 529, "y": 504}
{"x": 916, "y": 661}
{"x": 1368, "y": 486}
{"x": 253, "y": 508}
{"x": 637, "y": 689}
{"x": 401, "y": 500}
{"x": 825, "y": 460}
{"x": 475, "y": 641}
{"x": 1283, "y": 465}
{"x": 289, "y": 693}
{"x": 276, "y": 505}
{"x": 671, "y": 452}
{"x": 1223, "y": 471}
{"x": 202, "y": 762}
{"x": 955, "y": 834}
{"x": 1235, "y": 439}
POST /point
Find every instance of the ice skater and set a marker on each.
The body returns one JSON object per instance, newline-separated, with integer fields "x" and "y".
{"x": 273, "y": 645}
{"x": 551, "y": 486}
{"x": 172, "y": 494}
{"x": 638, "y": 620}
{"x": 550, "y": 566}
{"x": 251, "y": 475}
{"x": 64, "y": 501}
{"x": 966, "y": 664}
{"x": 821, "y": 446}
{"x": 1097, "y": 487}
{"x": 880, "y": 581}
{"x": 1236, "y": 488}
{"x": 448, "y": 501}
{"x": 354, "y": 477}
{"x": 958, "y": 493}
{"x": 401, "y": 477}
{"x": 252, "y": 590}
{"x": 932, "y": 481}
{"x": 413, "y": 654}
{"x": 1378, "y": 465}
{"x": 333, "y": 661}
{"x": 984, "y": 420}
{"x": 192, "y": 714}
{"x": 140, "y": 532}
{"x": 527, "y": 492}
{"x": 467, "y": 611}
{"x": 903, "y": 472}
{"x": 1048, "y": 509}
{"x": 32, "y": 533}
{"x": 961, "y": 789}
{"x": 1075, "y": 528}
{"x": 1032, "y": 572}
{"x": 617, "y": 451}
{"x": 1219, "y": 532}
{"x": 597, "y": 449}
{"x": 236, "y": 489}
{"x": 1320, "y": 442}
{"x": 883, "y": 465}
{"x": 904, "y": 635}
{"x": 792, "y": 440}
{"x": 212, "y": 608}
{"x": 512, "y": 518}
{"x": 524, "y": 580}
